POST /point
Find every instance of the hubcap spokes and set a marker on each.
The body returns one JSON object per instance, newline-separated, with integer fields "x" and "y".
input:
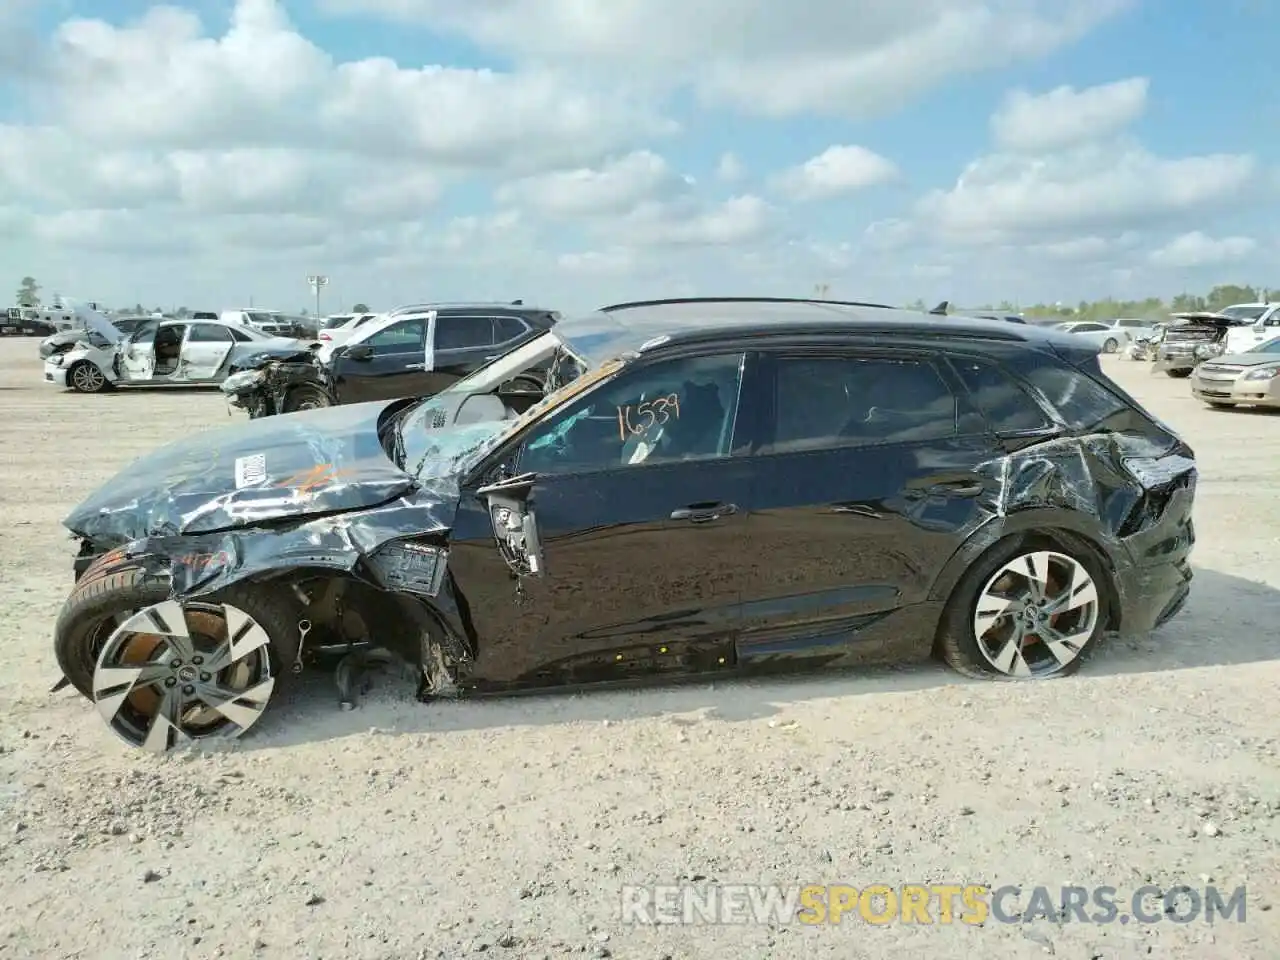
{"x": 1035, "y": 614}
{"x": 204, "y": 673}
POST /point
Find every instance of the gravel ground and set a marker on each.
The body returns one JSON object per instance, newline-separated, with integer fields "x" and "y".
{"x": 508, "y": 827}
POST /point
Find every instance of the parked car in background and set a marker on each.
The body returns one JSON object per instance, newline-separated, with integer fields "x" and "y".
{"x": 158, "y": 352}
{"x": 337, "y": 330}
{"x": 1259, "y": 322}
{"x": 1134, "y": 328}
{"x": 1107, "y": 339}
{"x": 1190, "y": 338}
{"x": 25, "y": 321}
{"x": 1251, "y": 378}
{"x": 266, "y": 321}
{"x": 64, "y": 340}
{"x": 928, "y": 485}
{"x": 204, "y": 315}
{"x": 419, "y": 351}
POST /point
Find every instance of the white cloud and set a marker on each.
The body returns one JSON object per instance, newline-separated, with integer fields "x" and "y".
{"x": 618, "y": 186}
{"x": 1081, "y": 191}
{"x": 837, "y": 170}
{"x": 613, "y": 262}
{"x": 735, "y": 221}
{"x": 730, "y": 168}
{"x": 758, "y": 55}
{"x": 1195, "y": 249}
{"x": 1066, "y": 117}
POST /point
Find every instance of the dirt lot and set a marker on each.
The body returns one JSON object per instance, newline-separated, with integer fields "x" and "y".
{"x": 402, "y": 830}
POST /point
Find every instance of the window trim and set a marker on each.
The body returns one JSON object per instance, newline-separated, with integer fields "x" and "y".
{"x": 767, "y": 415}
{"x": 1056, "y": 424}
{"x": 435, "y": 331}
{"x": 525, "y": 327}
{"x": 385, "y": 352}
{"x": 190, "y": 338}
{"x": 514, "y": 448}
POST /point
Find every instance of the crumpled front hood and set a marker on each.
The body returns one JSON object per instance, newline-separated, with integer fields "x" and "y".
{"x": 295, "y": 465}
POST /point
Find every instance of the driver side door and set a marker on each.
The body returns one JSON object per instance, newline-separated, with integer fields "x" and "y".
{"x": 204, "y": 351}
{"x": 138, "y": 354}
{"x": 636, "y": 525}
{"x": 392, "y": 366}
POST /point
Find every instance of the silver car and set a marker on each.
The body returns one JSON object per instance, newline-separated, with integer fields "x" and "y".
{"x": 1108, "y": 339}
{"x": 160, "y": 352}
{"x": 1251, "y": 377}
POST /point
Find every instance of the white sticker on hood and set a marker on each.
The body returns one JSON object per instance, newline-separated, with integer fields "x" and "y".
{"x": 251, "y": 471}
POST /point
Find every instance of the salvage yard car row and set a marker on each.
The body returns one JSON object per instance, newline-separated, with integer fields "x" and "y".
{"x": 737, "y": 486}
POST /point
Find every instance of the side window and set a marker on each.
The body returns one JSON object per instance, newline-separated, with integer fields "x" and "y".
{"x": 1007, "y": 406}
{"x": 209, "y": 333}
{"x": 1273, "y": 320}
{"x": 404, "y": 337}
{"x": 238, "y": 335}
{"x": 460, "y": 333}
{"x": 1081, "y": 402}
{"x": 507, "y": 328}
{"x": 660, "y": 413}
{"x": 826, "y": 402}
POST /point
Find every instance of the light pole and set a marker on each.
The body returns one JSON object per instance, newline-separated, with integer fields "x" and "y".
{"x": 318, "y": 281}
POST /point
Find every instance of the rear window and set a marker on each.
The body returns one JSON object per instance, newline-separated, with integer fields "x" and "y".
{"x": 331, "y": 323}
{"x": 1008, "y": 408}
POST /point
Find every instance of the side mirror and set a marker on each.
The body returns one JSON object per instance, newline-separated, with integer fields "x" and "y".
{"x": 358, "y": 351}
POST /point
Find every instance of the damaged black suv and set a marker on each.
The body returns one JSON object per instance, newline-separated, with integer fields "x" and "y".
{"x": 709, "y": 486}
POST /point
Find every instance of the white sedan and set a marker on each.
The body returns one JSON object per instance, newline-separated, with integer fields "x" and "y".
{"x": 1107, "y": 338}
{"x": 160, "y": 351}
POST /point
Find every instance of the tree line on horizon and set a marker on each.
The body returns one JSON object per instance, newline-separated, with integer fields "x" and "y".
{"x": 1151, "y": 308}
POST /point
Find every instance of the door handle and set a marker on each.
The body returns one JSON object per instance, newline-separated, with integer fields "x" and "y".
{"x": 415, "y": 366}
{"x": 958, "y": 488}
{"x": 704, "y": 512}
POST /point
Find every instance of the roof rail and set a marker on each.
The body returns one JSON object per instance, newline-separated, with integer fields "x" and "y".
{"x": 674, "y": 300}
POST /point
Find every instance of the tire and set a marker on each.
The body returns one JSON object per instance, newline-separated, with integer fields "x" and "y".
{"x": 115, "y": 590}
{"x": 1111, "y": 346}
{"x": 1218, "y": 405}
{"x": 305, "y": 398}
{"x": 1179, "y": 374}
{"x": 957, "y": 643}
{"x": 85, "y": 377}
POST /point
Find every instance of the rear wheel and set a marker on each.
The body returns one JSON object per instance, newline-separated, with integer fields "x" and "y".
{"x": 163, "y": 672}
{"x": 305, "y": 398}
{"x": 1179, "y": 374}
{"x": 85, "y": 377}
{"x": 1024, "y": 611}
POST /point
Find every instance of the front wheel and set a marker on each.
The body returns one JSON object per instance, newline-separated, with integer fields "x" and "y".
{"x": 1178, "y": 374}
{"x": 305, "y": 398}
{"x": 86, "y": 377}
{"x": 163, "y": 672}
{"x": 1111, "y": 346}
{"x": 1025, "y": 611}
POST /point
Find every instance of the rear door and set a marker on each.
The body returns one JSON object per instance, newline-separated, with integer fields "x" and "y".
{"x": 462, "y": 343}
{"x": 205, "y": 350}
{"x": 864, "y": 486}
{"x": 393, "y": 368}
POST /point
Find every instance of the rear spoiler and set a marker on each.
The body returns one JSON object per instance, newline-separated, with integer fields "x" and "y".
{"x": 941, "y": 309}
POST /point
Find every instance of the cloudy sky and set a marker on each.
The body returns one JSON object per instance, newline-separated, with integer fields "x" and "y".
{"x": 575, "y": 152}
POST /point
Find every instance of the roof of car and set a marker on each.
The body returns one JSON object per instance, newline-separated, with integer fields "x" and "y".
{"x": 648, "y": 325}
{"x": 488, "y": 307}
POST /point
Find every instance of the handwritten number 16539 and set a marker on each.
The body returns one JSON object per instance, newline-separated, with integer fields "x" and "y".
{"x": 635, "y": 419}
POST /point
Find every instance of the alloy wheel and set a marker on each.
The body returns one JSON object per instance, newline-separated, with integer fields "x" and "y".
{"x": 87, "y": 378}
{"x": 1036, "y": 614}
{"x": 174, "y": 673}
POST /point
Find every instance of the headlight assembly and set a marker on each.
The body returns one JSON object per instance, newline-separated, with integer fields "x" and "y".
{"x": 1266, "y": 373}
{"x": 243, "y": 380}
